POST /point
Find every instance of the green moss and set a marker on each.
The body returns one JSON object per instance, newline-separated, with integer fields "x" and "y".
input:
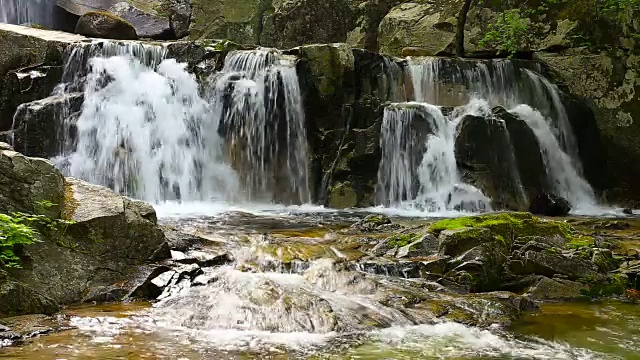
{"x": 615, "y": 284}
{"x": 108, "y": 15}
{"x": 401, "y": 240}
{"x": 508, "y": 226}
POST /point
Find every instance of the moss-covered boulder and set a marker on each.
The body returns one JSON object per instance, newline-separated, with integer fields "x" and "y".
{"x": 106, "y": 26}
{"x": 236, "y": 20}
{"x": 426, "y": 25}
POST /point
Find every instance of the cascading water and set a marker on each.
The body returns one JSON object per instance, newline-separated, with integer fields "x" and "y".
{"x": 418, "y": 167}
{"x": 143, "y": 129}
{"x": 18, "y": 12}
{"x": 497, "y": 83}
{"x": 567, "y": 182}
{"x": 258, "y": 102}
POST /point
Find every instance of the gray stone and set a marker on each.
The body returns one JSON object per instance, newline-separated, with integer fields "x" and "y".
{"x": 106, "y": 26}
{"x": 557, "y": 289}
{"x": 18, "y": 299}
{"x": 25, "y": 183}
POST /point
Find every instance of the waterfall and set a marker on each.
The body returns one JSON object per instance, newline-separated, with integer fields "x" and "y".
{"x": 143, "y": 129}
{"x": 146, "y": 130}
{"x": 566, "y": 180}
{"x": 447, "y": 82}
{"x": 18, "y": 12}
{"x": 418, "y": 167}
{"x": 258, "y": 102}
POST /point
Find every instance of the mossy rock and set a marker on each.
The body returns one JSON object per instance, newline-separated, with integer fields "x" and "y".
{"x": 105, "y": 25}
{"x": 509, "y": 226}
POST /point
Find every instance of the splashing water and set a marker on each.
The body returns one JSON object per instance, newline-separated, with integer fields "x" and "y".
{"x": 418, "y": 167}
{"x": 143, "y": 133}
{"x": 565, "y": 178}
{"x": 27, "y": 12}
{"x": 258, "y": 101}
{"x": 498, "y": 82}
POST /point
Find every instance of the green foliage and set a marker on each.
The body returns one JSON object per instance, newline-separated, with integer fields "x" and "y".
{"x": 12, "y": 233}
{"x": 509, "y": 33}
{"x": 18, "y": 229}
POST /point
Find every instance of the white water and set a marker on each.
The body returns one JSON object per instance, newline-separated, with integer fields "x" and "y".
{"x": 564, "y": 177}
{"x": 258, "y": 101}
{"x": 496, "y": 83}
{"x": 27, "y": 12}
{"x": 145, "y": 131}
{"x": 148, "y": 134}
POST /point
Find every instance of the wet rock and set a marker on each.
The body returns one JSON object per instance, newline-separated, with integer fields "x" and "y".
{"x": 486, "y": 160}
{"x": 550, "y": 262}
{"x": 550, "y": 205}
{"x": 25, "y": 54}
{"x": 527, "y": 154}
{"x": 557, "y": 289}
{"x": 627, "y": 211}
{"x": 155, "y": 283}
{"x": 106, "y": 26}
{"x": 38, "y": 126}
{"x": 372, "y": 223}
{"x": 456, "y": 242}
{"x": 17, "y": 299}
{"x": 423, "y": 247}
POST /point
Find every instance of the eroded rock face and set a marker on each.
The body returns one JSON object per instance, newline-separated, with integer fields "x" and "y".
{"x": 106, "y": 26}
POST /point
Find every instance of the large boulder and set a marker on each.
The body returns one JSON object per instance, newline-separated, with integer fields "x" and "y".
{"x": 236, "y": 20}
{"x": 527, "y": 153}
{"x": 155, "y": 19}
{"x": 95, "y": 246}
{"x": 550, "y": 205}
{"x": 428, "y": 25}
{"x": 296, "y": 22}
{"x": 27, "y": 182}
{"x": 106, "y": 26}
{"x": 40, "y": 127}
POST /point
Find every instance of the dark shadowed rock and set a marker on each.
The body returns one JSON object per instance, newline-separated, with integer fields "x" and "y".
{"x": 106, "y": 26}
{"x": 38, "y": 126}
{"x": 16, "y": 299}
{"x": 526, "y": 149}
{"x": 486, "y": 160}
{"x": 550, "y": 205}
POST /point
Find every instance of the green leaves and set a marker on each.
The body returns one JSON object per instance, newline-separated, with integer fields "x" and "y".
{"x": 12, "y": 233}
{"x": 19, "y": 229}
{"x": 509, "y": 33}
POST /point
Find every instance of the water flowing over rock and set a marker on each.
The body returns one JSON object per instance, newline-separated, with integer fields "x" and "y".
{"x": 258, "y": 102}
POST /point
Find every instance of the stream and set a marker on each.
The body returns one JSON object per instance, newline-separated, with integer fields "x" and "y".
{"x": 254, "y": 308}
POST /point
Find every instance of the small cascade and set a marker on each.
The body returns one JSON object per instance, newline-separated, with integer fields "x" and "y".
{"x": 566, "y": 180}
{"x": 258, "y": 102}
{"x": 40, "y": 12}
{"x": 418, "y": 167}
